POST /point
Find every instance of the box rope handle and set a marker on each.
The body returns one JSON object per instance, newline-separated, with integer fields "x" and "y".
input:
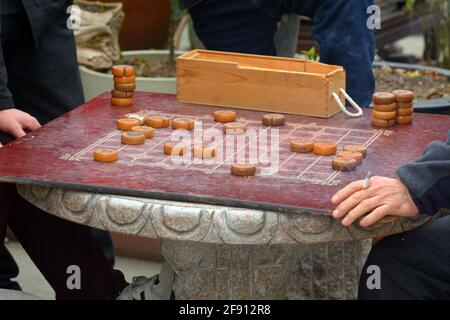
{"x": 357, "y": 114}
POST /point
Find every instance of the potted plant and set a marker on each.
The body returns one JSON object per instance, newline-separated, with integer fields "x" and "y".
{"x": 430, "y": 82}
{"x": 155, "y": 69}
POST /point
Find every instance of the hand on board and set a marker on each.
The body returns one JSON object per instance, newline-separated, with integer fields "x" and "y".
{"x": 384, "y": 197}
{"x": 14, "y": 122}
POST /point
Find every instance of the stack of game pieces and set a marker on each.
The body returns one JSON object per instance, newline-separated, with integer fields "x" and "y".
{"x": 124, "y": 85}
{"x": 384, "y": 109}
{"x": 404, "y": 103}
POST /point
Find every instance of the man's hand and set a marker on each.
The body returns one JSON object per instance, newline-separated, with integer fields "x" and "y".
{"x": 384, "y": 197}
{"x": 15, "y": 122}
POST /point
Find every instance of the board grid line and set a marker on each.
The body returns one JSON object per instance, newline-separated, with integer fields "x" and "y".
{"x": 298, "y": 167}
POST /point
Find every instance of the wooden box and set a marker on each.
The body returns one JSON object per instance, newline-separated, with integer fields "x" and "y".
{"x": 273, "y": 84}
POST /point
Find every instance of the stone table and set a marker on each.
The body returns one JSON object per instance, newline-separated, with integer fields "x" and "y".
{"x": 220, "y": 252}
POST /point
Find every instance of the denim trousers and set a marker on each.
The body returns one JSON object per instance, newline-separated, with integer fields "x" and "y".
{"x": 339, "y": 26}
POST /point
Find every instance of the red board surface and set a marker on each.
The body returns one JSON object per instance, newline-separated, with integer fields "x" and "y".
{"x": 61, "y": 154}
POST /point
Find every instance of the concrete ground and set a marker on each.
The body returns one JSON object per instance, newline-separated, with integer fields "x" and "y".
{"x": 33, "y": 282}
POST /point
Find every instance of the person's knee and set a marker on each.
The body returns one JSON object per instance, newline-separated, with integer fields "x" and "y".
{"x": 379, "y": 275}
{"x": 405, "y": 266}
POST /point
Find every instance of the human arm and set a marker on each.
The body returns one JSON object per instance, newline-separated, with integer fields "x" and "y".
{"x": 12, "y": 121}
{"x": 428, "y": 178}
{"x": 423, "y": 187}
{"x": 384, "y": 197}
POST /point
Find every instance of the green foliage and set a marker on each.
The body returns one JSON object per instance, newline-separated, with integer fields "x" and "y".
{"x": 409, "y": 5}
{"x": 311, "y": 54}
{"x": 175, "y": 10}
{"x": 441, "y": 26}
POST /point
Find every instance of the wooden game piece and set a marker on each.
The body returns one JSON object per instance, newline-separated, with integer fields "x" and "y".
{"x": 301, "y": 146}
{"x": 385, "y": 107}
{"x": 405, "y": 112}
{"x": 136, "y": 115}
{"x": 404, "y": 105}
{"x": 175, "y": 148}
{"x": 157, "y": 122}
{"x": 125, "y": 80}
{"x": 273, "y": 119}
{"x": 106, "y": 155}
{"x": 147, "y": 131}
{"x": 343, "y": 164}
{"x": 384, "y": 115}
{"x": 183, "y": 123}
{"x": 382, "y": 123}
{"x": 356, "y": 148}
{"x": 121, "y": 102}
{"x": 383, "y": 98}
{"x": 351, "y": 155}
{"x": 125, "y": 87}
{"x": 403, "y": 95}
{"x": 225, "y": 116}
{"x": 234, "y": 128}
{"x": 404, "y": 120}
{"x": 125, "y": 124}
{"x": 123, "y": 70}
{"x": 132, "y": 138}
{"x": 204, "y": 151}
{"x": 122, "y": 94}
{"x": 324, "y": 148}
{"x": 243, "y": 169}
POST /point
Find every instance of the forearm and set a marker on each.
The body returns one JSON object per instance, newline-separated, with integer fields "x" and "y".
{"x": 428, "y": 178}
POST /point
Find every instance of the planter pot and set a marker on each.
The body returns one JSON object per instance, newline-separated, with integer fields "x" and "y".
{"x": 146, "y": 24}
{"x": 95, "y": 83}
{"x": 441, "y": 106}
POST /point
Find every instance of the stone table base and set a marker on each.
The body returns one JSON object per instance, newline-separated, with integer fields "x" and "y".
{"x": 321, "y": 271}
{"x": 233, "y": 253}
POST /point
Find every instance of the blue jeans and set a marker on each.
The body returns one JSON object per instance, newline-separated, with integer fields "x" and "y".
{"x": 249, "y": 26}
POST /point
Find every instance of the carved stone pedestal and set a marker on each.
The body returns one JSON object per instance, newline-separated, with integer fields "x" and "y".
{"x": 323, "y": 271}
{"x": 233, "y": 253}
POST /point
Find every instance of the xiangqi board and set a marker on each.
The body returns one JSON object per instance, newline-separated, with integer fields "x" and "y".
{"x": 61, "y": 154}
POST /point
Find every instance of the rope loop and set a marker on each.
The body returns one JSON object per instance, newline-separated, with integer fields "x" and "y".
{"x": 357, "y": 114}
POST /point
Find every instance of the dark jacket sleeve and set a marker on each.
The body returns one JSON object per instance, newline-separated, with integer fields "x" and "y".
{"x": 428, "y": 178}
{"x": 6, "y": 99}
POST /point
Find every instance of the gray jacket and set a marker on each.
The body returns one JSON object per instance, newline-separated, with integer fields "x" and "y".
{"x": 428, "y": 178}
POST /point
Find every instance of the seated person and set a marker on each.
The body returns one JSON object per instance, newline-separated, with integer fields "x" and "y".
{"x": 413, "y": 264}
{"x": 39, "y": 81}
